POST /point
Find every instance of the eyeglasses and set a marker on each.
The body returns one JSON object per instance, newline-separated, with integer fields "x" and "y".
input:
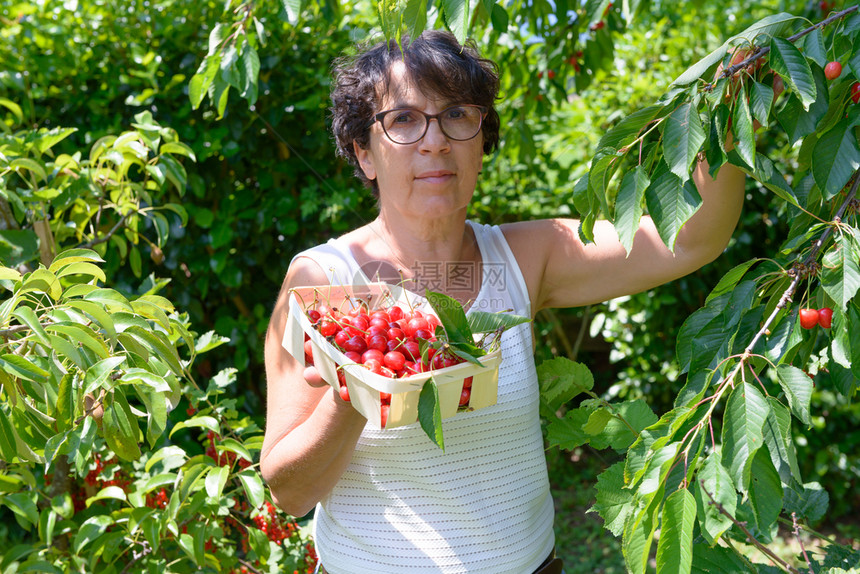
{"x": 407, "y": 126}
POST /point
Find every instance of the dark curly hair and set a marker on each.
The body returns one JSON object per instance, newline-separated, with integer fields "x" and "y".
{"x": 435, "y": 61}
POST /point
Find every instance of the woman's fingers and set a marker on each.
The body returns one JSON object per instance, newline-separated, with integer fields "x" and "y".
{"x": 313, "y": 378}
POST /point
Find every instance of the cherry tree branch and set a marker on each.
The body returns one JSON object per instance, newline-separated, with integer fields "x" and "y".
{"x": 760, "y": 52}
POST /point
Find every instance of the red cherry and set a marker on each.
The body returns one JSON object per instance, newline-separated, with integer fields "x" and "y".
{"x": 353, "y": 356}
{"x": 808, "y": 318}
{"x": 340, "y": 338}
{"x": 375, "y": 366}
{"x": 412, "y": 350}
{"x": 356, "y": 344}
{"x": 380, "y": 314}
{"x": 395, "y": 314}
{"x": 372, "y": 354}
{"x": 832, "y": 70}
{"x": 313, "y": 315}
{"x": 394, "y": 360}
{"x": 825, "y": 317}
{"x": 467, "y": 383}
{"x": 424, "y": 334}
{"x": 383, "y": 412}
{"x": 416, "y": 324}
{"x": 378, "y": 342}
{"x": 328, "y": 328}
{"x": 384, "y": 398}
{"x": 344, "y": 393}
{"x": 374, "y": 330}
{"x": 465, "y": 395}
{"x": 855, "y": 92}
{"x": 550, "y": 74}
{"x": 396, "y": 334}
{"x": 380, "y": 322}
{"x": 598, "y": 25}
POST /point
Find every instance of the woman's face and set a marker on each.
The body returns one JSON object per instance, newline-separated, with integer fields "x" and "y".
{"x": 435, "y": 176}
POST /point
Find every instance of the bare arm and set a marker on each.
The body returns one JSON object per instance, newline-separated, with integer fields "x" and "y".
{"x": 562, "y": 271}
{"x": 310, "y": 432}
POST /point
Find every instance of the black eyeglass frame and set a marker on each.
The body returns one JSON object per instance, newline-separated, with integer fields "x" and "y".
{"x": 378, "y": 118}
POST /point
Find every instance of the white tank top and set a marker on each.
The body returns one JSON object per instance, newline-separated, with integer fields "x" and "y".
{"x": 403, "y": 506}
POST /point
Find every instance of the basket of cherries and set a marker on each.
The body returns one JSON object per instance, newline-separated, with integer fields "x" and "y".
{"x": 397, "y": 357}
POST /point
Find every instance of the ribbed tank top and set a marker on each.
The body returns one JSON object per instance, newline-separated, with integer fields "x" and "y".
{"x": 483, "y": 506}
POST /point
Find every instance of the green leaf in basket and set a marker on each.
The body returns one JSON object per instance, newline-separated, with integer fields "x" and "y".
{"x": 483, "y": 322}
{"x": 451, "y": 315}
{"x": 468, "y": 352}
{"x": 430, "y": 414}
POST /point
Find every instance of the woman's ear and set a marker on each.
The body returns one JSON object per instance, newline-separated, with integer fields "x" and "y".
{"x": 365, "y": 160}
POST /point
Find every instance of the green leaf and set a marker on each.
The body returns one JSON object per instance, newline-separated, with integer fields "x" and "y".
{"x": 430, "y": 413}
{"x": 107, "y": 493}
{"x": 835, "y": 158}
{"x": 561, "y": 379}
{"x": 18, "y": 246}
{"x": 675, "y": 547}
{"x": 743, "y": 422}
{"x": 110, "y": 299}
{"x": 628, "y": 205}
{"x": 628, "y": 129}
{"x": 249, "y": 67}
{"x": 730, "y": 279}
{"x": 613, "y": 502}
{"x": 671, "y": 204}
{"x": 13, "y": 107}
{"x": 120, "y": 428}
{"x": 718, "y": 560}
{"x": 19, "y": 366}
{"x": 8, "y": 439}
{"x": 840, "y": 276}
{"x": 456, "y": 13}
{"x": 765, "y": 490}
{"x": 797, "y": 387}
{"x": 215, "y": 481}
{"x": 28, "y": 164}
{"x": 483, "y": 322}
{"x": 567, "y": 432}
{"x": 204, "y": 421}
{"x": 42, "y": 281}
{"x": 28, "y": 317}
{"x": 742, "y": 128}
{"x": 254, "y": 489}
{"x": 23, "y": 505}
{"x": 809, "y": 501}
{"x": 780, "y": 441}
{"x": 714, "y": 480}
{"x": 293, "y": 8}
{"x": 90, "y": 530}
{"x": 761, "y": 102}
{"x": 683, "y": 137}
{"x": 628, "y": 419}
{"x": 451, "y": 315}
{"x": 83, "y": 268}
{"x": 787, "y": 61}
{"x": 814, "y": 48}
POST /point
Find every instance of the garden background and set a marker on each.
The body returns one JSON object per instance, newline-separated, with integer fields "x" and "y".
{"x": 184, "y": 183}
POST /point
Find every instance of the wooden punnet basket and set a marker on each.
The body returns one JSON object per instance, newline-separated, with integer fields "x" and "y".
{"x": 365, "y": 386}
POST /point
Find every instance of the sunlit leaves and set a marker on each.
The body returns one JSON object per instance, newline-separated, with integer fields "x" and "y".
{"x": 787, "y": 61}
{"x": 683, "y": 137}
{"x": 742, "y": 431}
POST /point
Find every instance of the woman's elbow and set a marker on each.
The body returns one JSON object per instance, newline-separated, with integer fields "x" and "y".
{"x": 287, "y": 498}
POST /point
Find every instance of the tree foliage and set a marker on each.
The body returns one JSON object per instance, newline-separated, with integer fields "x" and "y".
{"x": 160, "y": 163}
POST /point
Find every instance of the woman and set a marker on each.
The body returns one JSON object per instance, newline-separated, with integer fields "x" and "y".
{"x": 416, "y": 125}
